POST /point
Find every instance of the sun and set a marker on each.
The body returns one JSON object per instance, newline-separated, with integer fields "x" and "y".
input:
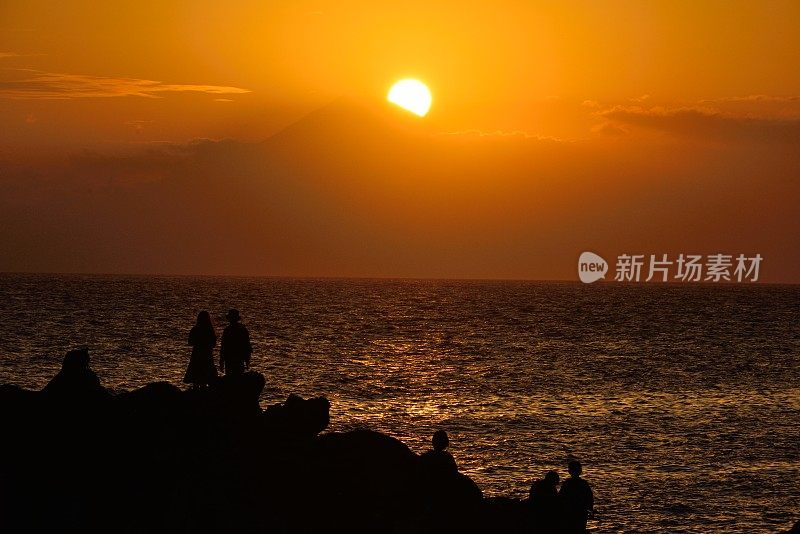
{"x": 412, "y": 95}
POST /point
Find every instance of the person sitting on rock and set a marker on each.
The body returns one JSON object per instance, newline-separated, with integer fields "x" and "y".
{"x": 577, "y": 500}
{"x": 438, "y": 462}
{"x": 450, "y": 501}
{"x": 544, "y": 504}
{"x": 235, "y": 350}
{"x": 75, "y": 381}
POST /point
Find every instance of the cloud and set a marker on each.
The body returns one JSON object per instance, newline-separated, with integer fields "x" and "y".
{"x": 17, "y": 54}
{"x": 707, "y": 123}
{"x": 59, "y": 86}
{"x": 753, "y": 98}
{"x": 610, "y": 129}
{"x": 509, "y": 134}
{"x": 138, "y": 125}
{"x": 299, "y": 205}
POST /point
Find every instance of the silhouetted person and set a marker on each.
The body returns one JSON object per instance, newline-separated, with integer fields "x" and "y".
{"x": 450, "y": 500}
{"x": 201, "y": 370}
{"x": 235, "y": 350}
{"x": 438, "y": 462}
{"x": 577, "y": 500}
{"x": 75, "y": 373}
{"x": 75, "y": 381}
{"x": 544, "y": 504}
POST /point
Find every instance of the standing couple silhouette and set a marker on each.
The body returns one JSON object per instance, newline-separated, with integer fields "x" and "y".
{"x": 234, "y": 351}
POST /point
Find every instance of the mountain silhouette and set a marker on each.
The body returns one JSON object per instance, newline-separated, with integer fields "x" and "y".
{"x": 346, "y": 120}
{"x": 353, "y": 188}
{"x": 348, "y": 142}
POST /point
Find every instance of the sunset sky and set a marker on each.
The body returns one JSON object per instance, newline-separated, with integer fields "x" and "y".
{"x": 254, "y": 138}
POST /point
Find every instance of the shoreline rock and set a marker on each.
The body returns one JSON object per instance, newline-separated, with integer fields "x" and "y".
{"x": 158, "y": 458}
{"x": 75, "y": 457}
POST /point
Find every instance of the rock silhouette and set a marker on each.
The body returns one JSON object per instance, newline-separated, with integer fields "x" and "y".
{"x": 159, "y": 459}
{"x": 298, "y": 418}
{"x": 75, "y": 458}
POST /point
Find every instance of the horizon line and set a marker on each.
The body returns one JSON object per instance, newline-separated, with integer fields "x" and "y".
{"x": 397, "y": 278}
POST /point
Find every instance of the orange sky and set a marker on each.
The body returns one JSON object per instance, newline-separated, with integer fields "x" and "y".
{"x": 675, "y": 123}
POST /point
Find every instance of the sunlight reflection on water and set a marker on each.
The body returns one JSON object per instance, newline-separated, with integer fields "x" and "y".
{"x": 686, "y": 417}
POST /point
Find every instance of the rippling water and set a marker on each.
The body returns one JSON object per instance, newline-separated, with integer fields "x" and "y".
{"x": 683, "y": 402}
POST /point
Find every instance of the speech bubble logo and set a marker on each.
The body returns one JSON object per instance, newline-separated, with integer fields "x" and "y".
{"x": 591, "y": 267}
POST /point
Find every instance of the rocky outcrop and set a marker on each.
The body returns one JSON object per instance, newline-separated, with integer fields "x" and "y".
{"x": 298, "y": 418}
{"x": 76, "y": 458}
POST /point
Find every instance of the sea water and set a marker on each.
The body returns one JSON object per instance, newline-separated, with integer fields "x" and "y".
{"x": 682, "y": 401}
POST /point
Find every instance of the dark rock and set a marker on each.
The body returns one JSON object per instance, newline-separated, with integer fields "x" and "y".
{"x": 153, "y": 399}
{"x": 503, "y": 514}
{"x": 15, "y": 399}
{"x": 298, "y": 418}
{"x": 451, "y": 501}
{"x": 371, "y": 464}
{"x": 365, "y": 481}
{"x": 238, "y": 395}
{"x": 209, "y": 460}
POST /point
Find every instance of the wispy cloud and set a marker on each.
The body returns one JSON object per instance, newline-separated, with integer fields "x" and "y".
{"x": 609, "y": 129}
{"x": 507, "y": 134}
{"x": 7, "y": 54}
{"x": 59, "y": 86}
{"x": 138, "y": 125}
{"x": 753, "y": 98}
{"x": 707, "y": 123}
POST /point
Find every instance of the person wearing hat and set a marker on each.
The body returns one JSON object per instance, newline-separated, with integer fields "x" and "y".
{"x": 235, "y": 350}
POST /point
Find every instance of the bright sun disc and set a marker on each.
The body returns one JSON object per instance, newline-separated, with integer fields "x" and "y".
{"x": 412, "y": 95}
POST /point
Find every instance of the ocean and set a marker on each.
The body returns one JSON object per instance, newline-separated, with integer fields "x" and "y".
{"x": 681, "y": 401}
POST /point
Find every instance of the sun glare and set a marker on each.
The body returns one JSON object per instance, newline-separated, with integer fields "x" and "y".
{"x": 411, "y": 95}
